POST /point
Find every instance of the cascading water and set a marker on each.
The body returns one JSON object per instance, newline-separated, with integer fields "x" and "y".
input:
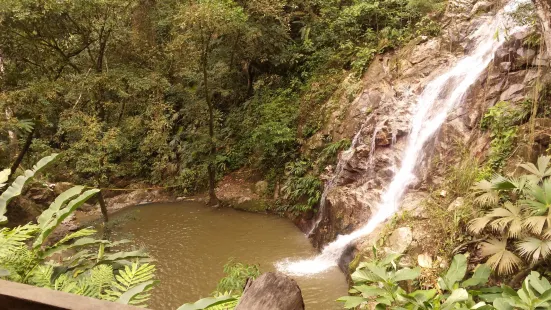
{"x": 331, "y": 183}
{"x": 439, "y": 97}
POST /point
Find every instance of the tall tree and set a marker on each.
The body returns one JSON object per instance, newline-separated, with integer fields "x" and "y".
{"x": 206, "y": 29}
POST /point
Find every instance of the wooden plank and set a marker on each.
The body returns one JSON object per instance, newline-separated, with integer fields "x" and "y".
{"x": 22, "y": 297}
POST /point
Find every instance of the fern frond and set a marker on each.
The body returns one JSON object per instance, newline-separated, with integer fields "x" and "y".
{"x": 100, "y": 279}
{"x": 131, "y": 277}
{"x": 16, "y": 237}
{"x": 42, "y": 276}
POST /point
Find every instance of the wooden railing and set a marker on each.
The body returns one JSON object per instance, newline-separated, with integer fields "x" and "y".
{"x": 16, "y": 296}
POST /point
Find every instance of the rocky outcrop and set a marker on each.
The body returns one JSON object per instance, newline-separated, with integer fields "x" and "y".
{"x": 381, "y": 116}
{"x": 272, "y": 291}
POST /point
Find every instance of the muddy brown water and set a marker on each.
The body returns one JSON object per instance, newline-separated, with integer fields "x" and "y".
{"x": 191, "y": 243}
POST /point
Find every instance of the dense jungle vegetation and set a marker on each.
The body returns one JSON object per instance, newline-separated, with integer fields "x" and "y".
{"x": 178, "y": 93}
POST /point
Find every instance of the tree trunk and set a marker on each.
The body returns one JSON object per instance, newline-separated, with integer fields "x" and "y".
{"x": 103, "y": 207}
{"x": 543, "y": 8}
{"x": 21, "y": 154}
{"x": 211, "y": 169}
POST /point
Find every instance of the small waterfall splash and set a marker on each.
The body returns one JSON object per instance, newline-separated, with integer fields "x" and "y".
{"x": 439, "y": 97}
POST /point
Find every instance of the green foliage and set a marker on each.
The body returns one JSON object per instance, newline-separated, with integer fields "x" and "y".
{"x": 159, "y": 91}
{"x": 16, "y": 187}
{"x": 453, "y": 291}
{"x": 229, "y": 289}
{"x": 236, "y": 277}
{"x": 520, "y": 217}
{"x": 535, "y": 294}
{"x": 387, "y": 275}
{"x": 302, "y": 190}
{"x": 210, "y": 303}
{"x": 77, "y": 263}
{"x": 502, "y": 121}
{"x": 330, "y": 152}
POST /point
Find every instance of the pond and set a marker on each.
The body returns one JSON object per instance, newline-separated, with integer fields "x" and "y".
{"x": 191, "y": 243}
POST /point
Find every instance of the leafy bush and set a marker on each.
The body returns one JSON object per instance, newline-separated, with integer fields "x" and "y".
{"x": 520, "y": 217}
{"x": 301, "y": 190}
{"x": 236, "y": 277}
{"x": 78, "y": 263}
{"x": 502, "y": 120}
{"x": 330, "y": 152}
{"x": 379, "y": 282}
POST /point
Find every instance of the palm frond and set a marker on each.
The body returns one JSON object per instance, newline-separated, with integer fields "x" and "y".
{"x": 534, "y": 249}
{"x": 477, "y": 225}
{"x": 500, "y": 258}
{"x": 536, "y": 224}
{"x": 538, "y": 198}
{"x": 540, "y": 171}
{"x": 507, "y": 219}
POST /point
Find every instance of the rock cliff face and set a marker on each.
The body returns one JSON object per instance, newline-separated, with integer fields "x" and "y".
{"x": 380, "y": 117}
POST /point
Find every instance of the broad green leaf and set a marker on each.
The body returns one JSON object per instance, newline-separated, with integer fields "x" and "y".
{"x": 546, "y": 296}
{"x": 55, "y": 206}
{"x": 16, "y": 187}
{"x": 502, "y": 304}
{"x": 362, "y": 276}
{"x": 127, "y": 296}
{"x": 350, "y": 302}
{"x": 369, "y": 291}
{"x": 379, "y": 272}
{"x": 540, "y": 284}
{"x": 458, "y": 295}
{"x": 57, "y": 217}
{"x": 480, "y": 276}
{"x": 389, "y": 259}
{"x": 407, "y": 274}
{"x": 79, "y": 243}
{"x": 456, "y": 272}
{"x": 423, "y": 296}
{"x": 122, "y": 255}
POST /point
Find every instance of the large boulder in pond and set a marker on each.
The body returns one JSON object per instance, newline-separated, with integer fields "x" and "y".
{"x": 272, "y": 291}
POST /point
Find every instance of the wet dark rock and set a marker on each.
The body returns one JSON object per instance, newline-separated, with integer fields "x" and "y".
{"x": 272, "y": 291}
{"x": 513, "y": 93}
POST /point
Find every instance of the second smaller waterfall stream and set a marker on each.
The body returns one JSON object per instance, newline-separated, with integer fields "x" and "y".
{"x": 438, "y": 98}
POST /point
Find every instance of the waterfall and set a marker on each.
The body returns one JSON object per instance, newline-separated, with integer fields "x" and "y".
{"x": 345, "y": 156}
{"x": 439, "y": 97}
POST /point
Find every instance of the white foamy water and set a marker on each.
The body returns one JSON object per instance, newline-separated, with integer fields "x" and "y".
{"x": 439, "y": 97}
